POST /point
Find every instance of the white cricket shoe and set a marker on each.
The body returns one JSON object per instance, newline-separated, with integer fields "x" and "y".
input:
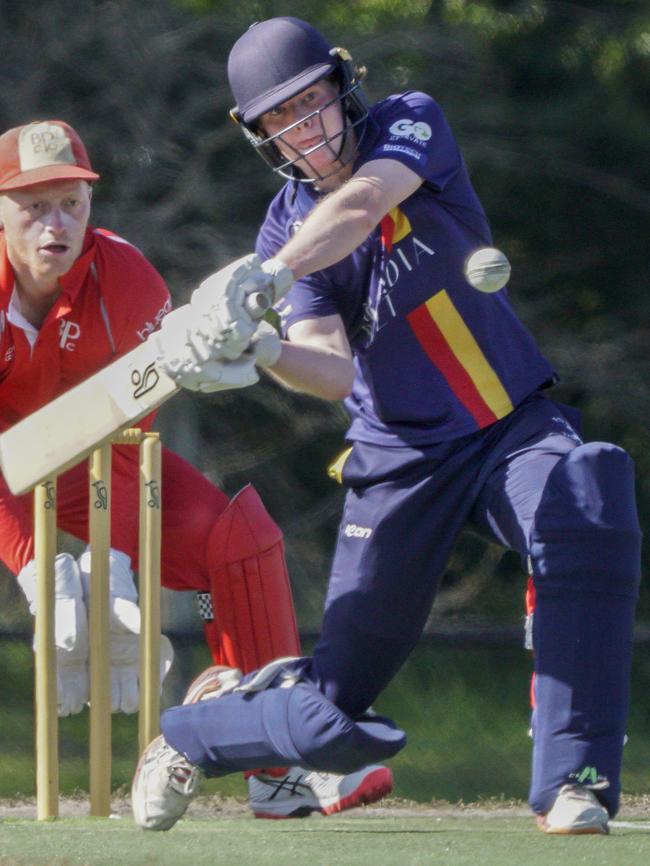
{"x": 163, "y": 786}
{"x": 298, "y": 792}
{"x": 576, "y": 810}
{"x": 211, "y": 683}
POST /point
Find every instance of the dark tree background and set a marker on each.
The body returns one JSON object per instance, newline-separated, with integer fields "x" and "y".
{"x": 550, "y": 102}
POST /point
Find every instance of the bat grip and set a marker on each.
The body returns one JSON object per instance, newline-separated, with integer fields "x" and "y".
{"x": 256, "y": 304}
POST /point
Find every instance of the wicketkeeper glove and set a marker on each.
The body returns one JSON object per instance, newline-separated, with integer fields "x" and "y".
{"x": 71, "y": 630}
{"x": 125, "y": 632}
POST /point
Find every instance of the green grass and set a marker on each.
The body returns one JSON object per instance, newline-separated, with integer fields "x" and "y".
{"x": 366, "y": 839}
{"x": 465, "y": 709}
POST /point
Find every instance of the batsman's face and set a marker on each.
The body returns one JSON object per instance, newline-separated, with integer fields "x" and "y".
{"x": 309, "y": 128}
{"x": 44, "y": 228}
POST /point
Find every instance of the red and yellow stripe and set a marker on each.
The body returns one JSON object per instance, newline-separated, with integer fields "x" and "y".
{"x": 451, "y": 346}
{"x": 395, "y": 226}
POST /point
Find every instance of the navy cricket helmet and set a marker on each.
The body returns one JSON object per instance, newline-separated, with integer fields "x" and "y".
{"x": 273, "y": 61}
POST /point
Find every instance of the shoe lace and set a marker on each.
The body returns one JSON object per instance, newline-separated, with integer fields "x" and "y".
{"x": 323, "y": 782}
{"x": 600, "y": 785}
{"x": 183, "y": 776}
{"x": 583, "y": 793}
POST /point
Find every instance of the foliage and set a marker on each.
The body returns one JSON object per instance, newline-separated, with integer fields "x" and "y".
{"x": 550, "y": 103}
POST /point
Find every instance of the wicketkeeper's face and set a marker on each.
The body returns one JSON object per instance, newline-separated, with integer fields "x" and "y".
{"x": 44, "y": 227}
{"x": 308, "y": 129}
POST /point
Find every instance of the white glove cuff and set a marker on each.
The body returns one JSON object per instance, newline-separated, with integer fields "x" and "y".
{"x": 66, "y": 580}
{"x": 266, "y": 345}
{"x": 282, "y": 277}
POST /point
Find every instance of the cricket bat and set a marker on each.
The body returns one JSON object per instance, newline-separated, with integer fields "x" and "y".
{"x": 64, "y": 431}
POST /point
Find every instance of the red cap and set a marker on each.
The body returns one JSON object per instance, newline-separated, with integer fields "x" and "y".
{"x": 42, "y": 151}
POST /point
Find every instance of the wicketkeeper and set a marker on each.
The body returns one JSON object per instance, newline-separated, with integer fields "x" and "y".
{"x": 72, "y": 299}
{"x": 452, "y": 425}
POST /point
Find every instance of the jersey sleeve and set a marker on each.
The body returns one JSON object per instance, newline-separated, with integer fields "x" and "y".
{"x": 414, "y": 131}
{"x": 312, "y": 297}
{"x": 135, "y": 295}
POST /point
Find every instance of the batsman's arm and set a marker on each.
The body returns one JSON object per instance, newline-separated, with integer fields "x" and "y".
{"x": 342, "y": 220}
{"x": 334, "y": 229}
{"x": 317, "y": 359}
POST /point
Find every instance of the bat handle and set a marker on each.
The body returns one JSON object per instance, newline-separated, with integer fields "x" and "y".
{"x": 257, "y": 303}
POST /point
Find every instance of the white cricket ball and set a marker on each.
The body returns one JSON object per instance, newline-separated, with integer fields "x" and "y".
{"x": 487, "y": 269}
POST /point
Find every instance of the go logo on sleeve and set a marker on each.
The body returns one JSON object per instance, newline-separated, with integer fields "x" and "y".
{"x": 416, "y": 130}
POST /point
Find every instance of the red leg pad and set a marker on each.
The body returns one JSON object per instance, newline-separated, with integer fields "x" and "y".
{"x": 254, "y": 618}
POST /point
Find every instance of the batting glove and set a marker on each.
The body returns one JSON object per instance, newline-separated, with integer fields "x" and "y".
{"x": 71, "y": 630}
{"x": 185, "y": 355}
{"x": 266, "y": 346}
{"x": 125, "y": 632}
{"x": 232, "y": 300}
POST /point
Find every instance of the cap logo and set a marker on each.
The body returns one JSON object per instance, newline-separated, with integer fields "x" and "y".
{"x": 42, "y": 144}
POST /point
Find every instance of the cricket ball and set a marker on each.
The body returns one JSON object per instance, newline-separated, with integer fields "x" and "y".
{"x": 487, "y": 269}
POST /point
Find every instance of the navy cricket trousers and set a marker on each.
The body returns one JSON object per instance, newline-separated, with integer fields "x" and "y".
{"x": 531, "y": 485}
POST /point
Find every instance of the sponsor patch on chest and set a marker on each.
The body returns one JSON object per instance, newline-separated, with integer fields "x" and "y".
{"x": 69, "y": 333}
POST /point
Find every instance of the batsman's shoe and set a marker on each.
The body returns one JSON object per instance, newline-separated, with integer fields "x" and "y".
{"x": 298, "y": 792}
{"x": 163, "y": 786}
{"x": 576, "y": 810}
{"x": 213, "y": 682}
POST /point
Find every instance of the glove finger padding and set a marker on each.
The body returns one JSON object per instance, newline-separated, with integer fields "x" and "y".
{"x": 125, "y": 620}
{"x": 192, "y": 361}
{"x": 72, "y": 685}
{"x": 125, "y": 669}
{"x": 70, "y": 630}
{"x": 125, "y": 655}
{"x": 219, "y": 310}
{"x": 223, "y": 375}
{"x": 125, "y": 616}
{"x": 230, "y": 301}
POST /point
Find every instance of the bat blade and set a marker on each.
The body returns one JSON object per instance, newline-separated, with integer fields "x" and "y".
{"x": 66, "y": 430}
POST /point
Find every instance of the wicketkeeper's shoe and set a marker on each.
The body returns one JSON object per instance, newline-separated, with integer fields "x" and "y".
{"x": 163, "y": 786}
{"x": 576, "y": 810}
{"x": 297, "y": 793}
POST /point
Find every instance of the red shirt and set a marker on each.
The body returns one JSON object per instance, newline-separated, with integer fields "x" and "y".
{"x": 112, "y": 299}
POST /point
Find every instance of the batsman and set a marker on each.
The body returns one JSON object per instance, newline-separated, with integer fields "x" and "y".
{"x": 73, "y": 298}
{"x": 452, "y": 424}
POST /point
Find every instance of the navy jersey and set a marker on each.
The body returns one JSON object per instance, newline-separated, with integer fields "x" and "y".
{"x": 435, "y": 358}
